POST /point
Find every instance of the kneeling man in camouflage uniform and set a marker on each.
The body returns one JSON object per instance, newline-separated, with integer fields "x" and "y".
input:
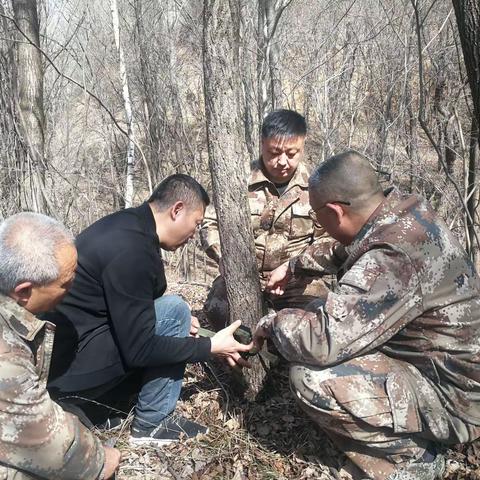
{"x": 388, "y": 365}
{"x": 38, "y": 440}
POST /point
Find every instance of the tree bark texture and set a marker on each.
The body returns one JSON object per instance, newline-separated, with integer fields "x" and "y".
{"x": 29, "y": 99}
{"x": 227, "y": 154}
{"x": 472, "y": 193}
{"x": 467, "y": 13}
{"x": 248, "y": 63}
{"x": 14, "y": 155}
{"x": 468, "y": 21}
{"x": 270, "y": 95}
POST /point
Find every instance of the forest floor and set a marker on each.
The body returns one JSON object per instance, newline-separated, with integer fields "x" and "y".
{"x": 267, "y": 439}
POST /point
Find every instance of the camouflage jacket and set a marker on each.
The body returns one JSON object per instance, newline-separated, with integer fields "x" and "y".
{"x": 281, "y": 225}
{"x": 405, "y": 287}
{"x": 36, "y": 436}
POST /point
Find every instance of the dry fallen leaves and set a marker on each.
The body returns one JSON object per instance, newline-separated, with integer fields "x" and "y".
{"x": 271, "y": 439}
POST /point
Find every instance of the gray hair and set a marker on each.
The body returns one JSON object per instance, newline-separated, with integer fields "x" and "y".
{"x": 28, "y": 245}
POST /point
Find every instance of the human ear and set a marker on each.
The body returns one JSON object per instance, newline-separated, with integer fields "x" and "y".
{"x": 337, "y": 210}
{"x": 176, "y": 208}
{"x": 22, "y": 293}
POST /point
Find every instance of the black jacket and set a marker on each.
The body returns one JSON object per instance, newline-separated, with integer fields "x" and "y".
{"x": 106, "y": 323}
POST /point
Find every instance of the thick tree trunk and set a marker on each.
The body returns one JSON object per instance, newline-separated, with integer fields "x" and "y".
{"x": 468, "y": 21}
{"x": 467, "y": 13}
{"x": 129, "y": 188}
{"x": 30, "y": 103}
{"x": 227, "y": 157}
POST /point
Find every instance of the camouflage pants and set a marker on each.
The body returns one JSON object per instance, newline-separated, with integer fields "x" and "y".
{"x": 10, "y": 473}
{"x": 380, "y": 411}
{"x": 297, "y": 295}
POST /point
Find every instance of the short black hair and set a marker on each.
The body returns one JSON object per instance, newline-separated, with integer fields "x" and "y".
{"x": 284, "y": 123}
{"x": 179, "y": 187}
{"x": 346, "y": 177}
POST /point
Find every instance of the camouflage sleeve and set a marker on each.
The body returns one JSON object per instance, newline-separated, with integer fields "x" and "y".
{"x": 37, "y": 436}
{"x": 323, "y": 257}
{"x": 373, "y": 301}
{"x": 209, "y": 236}
{"x": 321, "y": 237}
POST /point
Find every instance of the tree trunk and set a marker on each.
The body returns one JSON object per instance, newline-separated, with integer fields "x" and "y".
{"x": 155, "y": 116}
{"x": 269, "y": 83}
{"x": 467, "y": 13}
{"x": 472, "y": 193}
{"x": 227, "y": 154}
{"x": 273, "y": 56}
{"x": 13, "y": 151}
{"x": 128, "y": 108}
{"x": 468, "y": 21}
{"x": 248, "y": 62}
{"x": 30, "y": 103}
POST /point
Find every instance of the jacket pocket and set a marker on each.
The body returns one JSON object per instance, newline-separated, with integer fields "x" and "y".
{"x": 301, "y": 225}
{"x": 256, "y": 210}
{"x": 363, "y": 399}
{"x": 406, "y": 416}
{"x": 359, "y": 279}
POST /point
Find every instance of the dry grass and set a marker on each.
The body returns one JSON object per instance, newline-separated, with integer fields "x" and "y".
{"x": 268, "y": 439}
{"x": 265, "y": 440}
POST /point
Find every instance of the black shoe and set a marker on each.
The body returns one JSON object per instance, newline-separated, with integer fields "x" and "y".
{"x": 110, "y": 424}
{"x": 171, "y": 429}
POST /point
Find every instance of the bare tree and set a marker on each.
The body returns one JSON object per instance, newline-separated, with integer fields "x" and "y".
{"x": 351, "y": 67}
{"x": 227, "y": 153}
{"x": 29, "y": 100}
{"x": 128, "y": 107}
{"x": 14, "y": 155}
{"x": 268, "y": 66}
{"x": 155, "y": 118}
{"x": 468, "y": 20}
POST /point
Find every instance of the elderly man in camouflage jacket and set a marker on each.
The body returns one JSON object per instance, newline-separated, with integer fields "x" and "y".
{"x": 388, "y": 365}
{"x": 38, "y": 440}
{"x": 278, "y": 200}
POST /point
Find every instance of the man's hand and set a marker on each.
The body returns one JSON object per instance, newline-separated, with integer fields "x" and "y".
{"x": 263, "y": 330}
{"x": 112, "y": 460}
{"x": 259, "y": 337}
{"x": 278, "y": 280}
{"x": 224, "y": 345}
{"x": 194, "y": 326}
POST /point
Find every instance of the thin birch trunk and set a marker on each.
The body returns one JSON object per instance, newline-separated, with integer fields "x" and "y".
{"x": 129, "y": 187}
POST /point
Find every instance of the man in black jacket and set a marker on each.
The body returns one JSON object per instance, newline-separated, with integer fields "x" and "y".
{"x": 116, "y": 321}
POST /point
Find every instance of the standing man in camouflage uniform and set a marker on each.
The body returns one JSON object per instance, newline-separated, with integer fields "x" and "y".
{"x": 278, "y": 200}
{"x": 37, "y": 438}
{"x": 388, "y": 365}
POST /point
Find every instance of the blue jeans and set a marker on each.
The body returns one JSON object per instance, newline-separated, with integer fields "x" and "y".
{"x": 161, "y": 385}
